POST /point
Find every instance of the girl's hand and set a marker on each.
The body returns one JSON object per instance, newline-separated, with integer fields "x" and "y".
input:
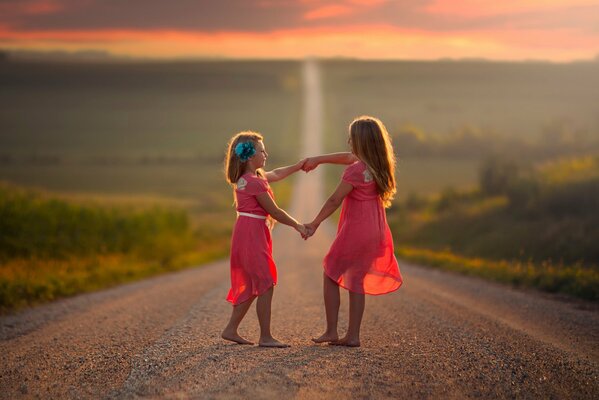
{"x": 307, "y": 234}
{"x": 310, "y": 229}
{"x": 300, "y": 164}
{"x": 310, "y": 164}
{"x": 302, "y": 230}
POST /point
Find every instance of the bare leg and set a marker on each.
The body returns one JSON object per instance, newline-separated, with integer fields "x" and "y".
{"x": 230, "y": 332}
{"x": 331, "y": 305}
{"x": 263, "y": 308}
{"x": 357, "y": 303}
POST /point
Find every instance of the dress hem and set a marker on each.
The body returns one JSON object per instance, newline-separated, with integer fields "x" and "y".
{"x": 252, "y": 296}
{"x": 353, "y": 291}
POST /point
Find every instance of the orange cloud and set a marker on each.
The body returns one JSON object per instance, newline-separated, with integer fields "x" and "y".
{"x": 368, "y": 3}
{"x": 338, "y": 8}
{"x": 41, "y": 7}
{"x": 480, "y": 8}
{"x": 378, "y": 42}
{"x": 327, "y": 12}
{"x": 30, "y": 7}
{"x": 364, "y": 3}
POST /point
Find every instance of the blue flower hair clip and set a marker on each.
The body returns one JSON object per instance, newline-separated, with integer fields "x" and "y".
{"x": 245, "y": 150}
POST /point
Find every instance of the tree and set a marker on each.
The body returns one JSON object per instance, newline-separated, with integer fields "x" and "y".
{"x": 496, "y": 176}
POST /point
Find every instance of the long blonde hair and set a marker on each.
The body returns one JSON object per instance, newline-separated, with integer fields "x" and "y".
{"x": 371, "y": 143}
{"x": 234, "y": 168}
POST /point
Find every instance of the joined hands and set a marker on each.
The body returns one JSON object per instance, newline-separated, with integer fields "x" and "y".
{"x": 308, "y": 164}
{"x": 310, "y": 229}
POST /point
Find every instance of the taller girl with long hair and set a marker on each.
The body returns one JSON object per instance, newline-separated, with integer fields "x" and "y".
{"x": 253, "y": 270}
{"x": 361, "y": 258}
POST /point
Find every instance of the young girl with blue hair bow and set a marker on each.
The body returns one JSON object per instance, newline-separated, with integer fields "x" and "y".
{"x": 253, "y": 270}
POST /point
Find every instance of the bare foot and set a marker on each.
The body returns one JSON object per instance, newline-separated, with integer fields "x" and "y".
{"x": 326, "y": 337}
{"x": 346, "y": 342}
{"x": 271, "y": 342}
{"x": 234, "y": 337}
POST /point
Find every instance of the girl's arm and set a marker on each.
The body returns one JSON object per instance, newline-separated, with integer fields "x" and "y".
{"x": 277, "y": 213}
{"x": 329, "y": 207}
{"x": 332, "y": 158}
{"x": 283, "y": 172}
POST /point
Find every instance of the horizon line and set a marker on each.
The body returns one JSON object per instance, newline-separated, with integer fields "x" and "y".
{"x": 93, "y": 55}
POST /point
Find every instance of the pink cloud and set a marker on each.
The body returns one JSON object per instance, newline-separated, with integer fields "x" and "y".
{"x": 327, "y": 12}
{"x": 542, "y": 34}
{"x": 333, "y": 9}
{"x": 41, "y": 7}
{"x": 480, "y": 8}
{"x": 367, "y": 3}
{"x": 363, "y": 3}
{"x": 30, "y": 7}
{"x": 367, "y": 41}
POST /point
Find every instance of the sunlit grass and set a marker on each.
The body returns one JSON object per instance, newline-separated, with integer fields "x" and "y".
{"x": 540, "y": 230}
{"x": 570, "y": 169}
{"x": 576, "y": 280}
{"x": 51, "y": 247}
{"x": 485, "y": 206}
{"x": 28, "y": 281}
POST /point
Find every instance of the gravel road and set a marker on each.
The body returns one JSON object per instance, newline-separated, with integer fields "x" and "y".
{"x": 442, "y": 335}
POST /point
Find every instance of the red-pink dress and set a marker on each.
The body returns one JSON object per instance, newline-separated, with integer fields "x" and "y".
{"x": 253, "y": 270}
{"x": 361, "y": 258}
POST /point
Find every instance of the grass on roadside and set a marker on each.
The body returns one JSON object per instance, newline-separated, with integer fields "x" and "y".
{"x": 25, "y": 282}
{"x": 576, "y": 280}
{"x": 51, "y": 247}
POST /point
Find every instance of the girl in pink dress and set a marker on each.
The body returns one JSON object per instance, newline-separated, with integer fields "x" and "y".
{"x": 361, "y": 258}
{"x": 253, "y": 270}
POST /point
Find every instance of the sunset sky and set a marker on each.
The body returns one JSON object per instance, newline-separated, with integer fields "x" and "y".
{"x": 556, "y": 30}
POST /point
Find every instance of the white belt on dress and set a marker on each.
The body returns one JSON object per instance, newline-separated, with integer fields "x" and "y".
{"x": 251, "y": 215}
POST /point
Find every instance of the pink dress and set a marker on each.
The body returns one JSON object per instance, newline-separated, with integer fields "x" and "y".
{"x": 253, "y": 270}
{"x": 361, "y": 258}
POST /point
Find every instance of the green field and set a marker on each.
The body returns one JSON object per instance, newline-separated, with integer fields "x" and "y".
{"x": 512, "y": 99}
{"x": 535, "y": 227}
{"x": 52, "y": 247}
{"x": 133, "y": 129}
{"x": 104, "y": 112}
{"x": 530, "y": 102}
{"x": 159, "y": 129}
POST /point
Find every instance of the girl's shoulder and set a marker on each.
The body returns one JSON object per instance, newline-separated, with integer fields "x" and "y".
{"x": 357, "y": 166}
{"x": 357, "y": 173}
{"x": 251, "y": 184}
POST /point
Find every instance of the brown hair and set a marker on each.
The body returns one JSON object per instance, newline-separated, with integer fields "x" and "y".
{"x": 371, "y": 143}
{"x": 234, "y": 168}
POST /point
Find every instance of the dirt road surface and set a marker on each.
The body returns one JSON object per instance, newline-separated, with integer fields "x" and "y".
{"x": 441, "y": 335}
